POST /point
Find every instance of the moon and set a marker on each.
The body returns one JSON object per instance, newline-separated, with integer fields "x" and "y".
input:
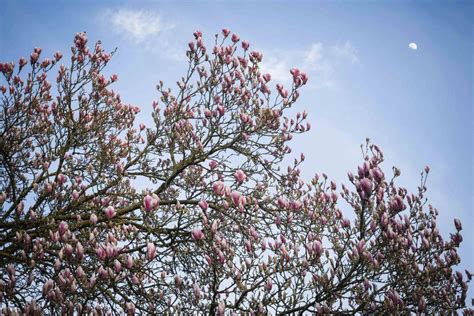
{"x": 413, "y": 46}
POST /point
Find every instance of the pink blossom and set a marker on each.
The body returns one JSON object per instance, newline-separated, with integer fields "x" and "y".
{"x": 196, "y": 291}
{"x": 150, "y": 251}
{"x": 79, "y": 251}
{"x": 225, "y": 32}
{"x": 245, "y": 45}
{"x": 235, "y": 38}
{"x": 178, "y": 281}
{"x": 268, "y": 285}
{"x": 282, "y": 203}
{"x": 295, "y": 72}
{"x": 68, "y": 250}
{"x": 235, "y": 198}
{"x": 63, "y": 227}
{"x": 75, "y": 195}
{"x": 221, "y": 110}
{"x": 203, "y": 205}
{"x": 117, "y": 266}
{"x": 197, "y": 234}
{"x": 240, "y": 176}
{"x": 213, "y": 164}
{"x": 218, "y": 188}
{"x": 93, "y": 219}
{"x": 148, "y": 203}
{"x": 129, "y": 262}
{"x": 110, "y": 212}
{"x": 366, "y": 186}
{"x": 457, "y": 224}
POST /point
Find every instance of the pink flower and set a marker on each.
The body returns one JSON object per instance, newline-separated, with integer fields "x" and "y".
{"x": 129, "y": 262}
{"x": 245, "y": 45}
{"x": 75, "y": 195}
{"x": 34, "y": 58}
{"x": 226, "y": 32}
{"x": 214, "y": 226}
{"x": 295, "y": 72}
{"x": 148, "y": 203}
{"x": 345, "y": 222}
{"x": 304, "y": 77}
{"x": 178, "y": 281}
{"x": 197, "y": 34}
{"x": 317, "y": 247}
{"x": 213, "y": 164}
{"x": 268, "y": 285}
{"x": 197, "y": 234}
{"x": 282, "y": 203}
{"x": 295, "y": 205}
{"x": 366, "y": 185}
{"x": 150, "y": 251}
{"x": 101, "y": 253}
{"x": 245, "y": 118}
{"x": 61, "y": 179}
{"x": 142, "y": 126}
{"x": 235, "y": 38}
{"x": 203, "y": 205}
{"x": 221, "y": 110}
{"x": 218, "y": 188}
{"x": 458, "y": 224}
{"x": 117, "y": 266}
{"x": 22, "y": 62}
{"x": 110, "y": 212}
{"x": 267, "y": 77}
{"x": 80, "y": 272}
{"x": 196, "y": 291}
{"x": 93, "y": 219}
{"x": 221, "y": 309}
{"x": 378, "y": 174}
{"x": 240, "y": 176}
{"x": 235, "y": 197}
{"x": 130, "y": 308}
{"x": 79, "y": 251}
{"x": 68, "y": 250}
{"x": 63, "y": 227}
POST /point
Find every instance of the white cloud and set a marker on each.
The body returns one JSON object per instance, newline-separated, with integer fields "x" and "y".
{"x": 315, "y": 54}
{"x": 323, "y": 64}
{"x": 138, "y": 25}
{"x": 278, "y": 68}
{"x": 347, "y": 51}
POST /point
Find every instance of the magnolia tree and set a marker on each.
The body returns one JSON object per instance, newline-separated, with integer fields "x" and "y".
{"x": 216, "y": 226}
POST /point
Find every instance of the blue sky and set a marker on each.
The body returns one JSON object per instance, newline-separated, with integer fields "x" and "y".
{"x": 365, "y": 81}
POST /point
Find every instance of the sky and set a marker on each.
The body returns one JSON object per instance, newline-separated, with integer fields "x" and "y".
{"x": 365, "y": 80}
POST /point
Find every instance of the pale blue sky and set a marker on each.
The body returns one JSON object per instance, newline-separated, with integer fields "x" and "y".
{"x": 417, "y": 105}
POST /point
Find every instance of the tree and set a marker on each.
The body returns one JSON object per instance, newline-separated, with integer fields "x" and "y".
{"x": 220, "y": 227}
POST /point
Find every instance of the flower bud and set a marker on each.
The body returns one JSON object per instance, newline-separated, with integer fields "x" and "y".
{"x": 197, "y": 234}
{"x": 110, "y": 212}
{"x": 150, "y": 251}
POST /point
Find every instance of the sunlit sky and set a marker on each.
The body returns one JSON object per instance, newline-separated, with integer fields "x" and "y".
{"x": 365, "y": 80}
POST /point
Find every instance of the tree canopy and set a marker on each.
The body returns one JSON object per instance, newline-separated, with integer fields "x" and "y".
{"x": 196, "y": 212}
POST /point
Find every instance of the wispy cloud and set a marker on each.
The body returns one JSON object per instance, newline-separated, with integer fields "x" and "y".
{"x": 148, "y": 30}
{"x": 347, "y": 51}
{"x": 137, "y": 25}
{"x": 323, "y": 64}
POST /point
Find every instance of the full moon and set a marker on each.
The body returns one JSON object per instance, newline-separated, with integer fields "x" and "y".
{"x": 413, "y": 46}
